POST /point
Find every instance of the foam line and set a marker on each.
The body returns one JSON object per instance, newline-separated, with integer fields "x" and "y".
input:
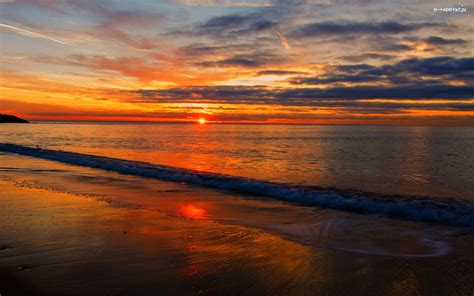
{"x": 445, "y": 211}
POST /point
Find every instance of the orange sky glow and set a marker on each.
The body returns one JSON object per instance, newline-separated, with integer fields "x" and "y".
{"x": 315, "y": 62}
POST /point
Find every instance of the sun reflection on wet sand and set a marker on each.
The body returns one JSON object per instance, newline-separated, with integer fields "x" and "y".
{"x": 182, "y": 240}
{"x": 194, "y": 212}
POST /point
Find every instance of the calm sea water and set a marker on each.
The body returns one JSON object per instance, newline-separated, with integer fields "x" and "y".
{"x": 433, "y": 161}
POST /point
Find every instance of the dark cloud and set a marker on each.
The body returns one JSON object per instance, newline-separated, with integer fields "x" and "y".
{"x": 278, "y": 72}
{"x": 239, "y": 94}
{"x": 195, "y": 50}
{"x": 455, "y": 68}
{"x": 229, "y": 22}
{"x": 356, "y": 28}
{"x": 367, "y": 56}
{"x": 384, "y": 44}
{"x": 251, "y": 60}
{"x": 336, "y": 78}
{"x": 436, "y": 40}
{"x": 225, "y": 22}
{"x": 397, "y": 47}
{"x": 405, "y": 92}
{"x": 311, "y": 97}
{"x": 423, "y": 71}
{"x": 228, "y": 26}
{"x": 409, "y": 79}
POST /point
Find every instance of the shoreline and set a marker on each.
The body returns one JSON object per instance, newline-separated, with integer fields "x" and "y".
{"x": 74, "y": 231}
{"x": 435, "y": 210}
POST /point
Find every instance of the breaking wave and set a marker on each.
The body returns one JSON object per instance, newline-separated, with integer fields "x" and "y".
{"x": 445, "y": 211}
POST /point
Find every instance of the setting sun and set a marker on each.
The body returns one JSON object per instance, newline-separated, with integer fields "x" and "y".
{"x": 202, "y": 120}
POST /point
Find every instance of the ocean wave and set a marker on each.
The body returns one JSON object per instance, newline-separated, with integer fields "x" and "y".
{"x": 444, "y": 211}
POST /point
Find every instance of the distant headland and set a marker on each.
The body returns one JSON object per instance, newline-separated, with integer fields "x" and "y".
{"x": 5, "y": 118}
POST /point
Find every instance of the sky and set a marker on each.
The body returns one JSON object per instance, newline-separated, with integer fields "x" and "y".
{"x": 273, "y": 61}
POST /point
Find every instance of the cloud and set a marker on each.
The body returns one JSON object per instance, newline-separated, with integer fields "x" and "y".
{"x": 358, "y": 28}
{"x": 278, "y": 72}
{"x": 456, "y": 68}
{"x": 229, "y": 26}
{"x": 397, "y": 47}
{"x": 228, "y": 3}
{"x": 431, "y": 44}
{"x": 414, "y": 70}
{"x": 104, "y": 21}
{"x": 237, "y": 24}
{"x": 116, "y": 24}
{"x": 200, "y": 50}
{"x": 252, "y": 60}
{"x": 213, "y": 94}
{"x": 363, "y": 86}
{"x": 436, "y": 40}
{"x": 302, "y": 96}
{"x": 405, "y": 92}
{"x": 368, "y": 56}
{"x": 134, "y": 41}
{"x": 141, "y": 68}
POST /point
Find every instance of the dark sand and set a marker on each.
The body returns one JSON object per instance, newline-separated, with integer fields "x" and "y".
{"x": 73, "y": 231}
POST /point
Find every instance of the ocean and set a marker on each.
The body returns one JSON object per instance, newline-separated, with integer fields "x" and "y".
{"x": 384, "y": 162}
{"x": 198, "y": 205}
{"x": 406, "y": 160}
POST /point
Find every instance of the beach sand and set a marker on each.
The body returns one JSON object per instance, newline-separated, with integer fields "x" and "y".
{"x": 69, "y": 230}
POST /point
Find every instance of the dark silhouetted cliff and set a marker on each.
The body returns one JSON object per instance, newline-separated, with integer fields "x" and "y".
{"x": 5, "y": 118}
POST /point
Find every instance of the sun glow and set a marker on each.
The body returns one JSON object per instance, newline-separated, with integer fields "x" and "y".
{"x": 202, "y": 120}
{"x": 193, "y": 212}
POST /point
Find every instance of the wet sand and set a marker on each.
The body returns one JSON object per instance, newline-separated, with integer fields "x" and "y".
{"x": 74, "y": 231}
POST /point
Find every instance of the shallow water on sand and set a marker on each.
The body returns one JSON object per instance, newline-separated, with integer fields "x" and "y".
{"x": 73, "y": 230}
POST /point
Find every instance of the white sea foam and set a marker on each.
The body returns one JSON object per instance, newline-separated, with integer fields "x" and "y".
{"x": 446, "y": 211}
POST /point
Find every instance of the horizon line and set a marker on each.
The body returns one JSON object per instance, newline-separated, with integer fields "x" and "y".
{"x": 243, "y": 123}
